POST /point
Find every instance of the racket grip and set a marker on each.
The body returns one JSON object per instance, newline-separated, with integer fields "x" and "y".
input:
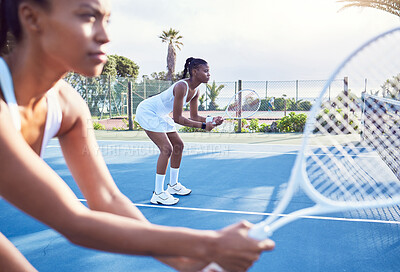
{"x": 209, "y": 119}
{"x": 260, "y": 231}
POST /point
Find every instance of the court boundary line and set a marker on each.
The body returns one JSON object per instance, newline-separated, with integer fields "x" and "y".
{"x": 264, "y": 214}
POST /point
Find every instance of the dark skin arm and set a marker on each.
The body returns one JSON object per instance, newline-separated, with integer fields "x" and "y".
{"x": 195, "y": 120}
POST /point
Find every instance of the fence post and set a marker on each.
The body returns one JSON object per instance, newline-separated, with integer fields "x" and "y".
{"x": 130, "y": 126}
{"x": 266, "y": 90}
{"x": 297, "y": 90}
{"x": 365, "y": 85}
{"x": 240, "y": 106}
{"x": 284, "y": 101}
{"x": 87, "y": 93}
{"x": 329, "y": 92}
{"x": 109, "y": 92}
{"x": 346, "y": 97}
{"x": 144, "y": 87}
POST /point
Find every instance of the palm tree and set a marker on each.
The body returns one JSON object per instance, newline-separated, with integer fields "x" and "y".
{"x": 213, "y": 92}
{"x": 391, "y": 6}
{"x": 171, "y": 37}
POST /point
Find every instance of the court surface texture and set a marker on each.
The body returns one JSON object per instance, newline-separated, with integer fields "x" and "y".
{"x": 233, "y": 177}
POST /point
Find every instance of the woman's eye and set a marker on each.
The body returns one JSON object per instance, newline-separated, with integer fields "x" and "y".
{"x": 88, "y": 16}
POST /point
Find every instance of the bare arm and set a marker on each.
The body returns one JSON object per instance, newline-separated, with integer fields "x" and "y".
{"x": 179, "y": 92}
{"x": 52, "y": 202}
{"x": 80, "y": 148}
{"x": 194, "y": 113}
{"x": 11, "y": 260}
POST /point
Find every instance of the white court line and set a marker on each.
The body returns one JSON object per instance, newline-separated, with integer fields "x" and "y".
{"x": 264, "y": 214}
{"x": 191, "y": 150}
{"x": 196, "y": 150}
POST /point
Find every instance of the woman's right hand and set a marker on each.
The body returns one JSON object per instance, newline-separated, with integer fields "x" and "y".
{"x": 210, "y": 126}
{"x": 236, "y": 251}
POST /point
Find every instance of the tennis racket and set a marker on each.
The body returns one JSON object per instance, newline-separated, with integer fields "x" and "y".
{"x": 349, "y": 158}
{"x": 242, "y": 105}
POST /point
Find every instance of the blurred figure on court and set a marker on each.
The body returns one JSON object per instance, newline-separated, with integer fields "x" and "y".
{"x": 152, "y": 115}
{"x": 51, "y": 38}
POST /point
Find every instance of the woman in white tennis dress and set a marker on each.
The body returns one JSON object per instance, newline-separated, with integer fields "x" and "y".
{"x": 152, "y": 115}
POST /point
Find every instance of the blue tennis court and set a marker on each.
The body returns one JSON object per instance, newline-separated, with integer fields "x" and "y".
{"x": 232, "y": 179}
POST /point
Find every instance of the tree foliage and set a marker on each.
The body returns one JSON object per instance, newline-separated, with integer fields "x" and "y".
{"x": 121, "y": 66}
{"x": 103, "y": 93}
{"x": 212, "y": 93}
{"x": 163, "y": 76}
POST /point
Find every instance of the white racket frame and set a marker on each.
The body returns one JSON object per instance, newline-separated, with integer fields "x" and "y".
{"x": 299, "y": 179}
{"x": 233, "y": 99}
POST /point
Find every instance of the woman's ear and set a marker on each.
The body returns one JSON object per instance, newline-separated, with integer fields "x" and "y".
{"x": 29, "y": 16}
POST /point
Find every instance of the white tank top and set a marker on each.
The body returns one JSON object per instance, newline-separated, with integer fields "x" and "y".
{"x": 167, "y": 97}
{"x": 54, "y": 113}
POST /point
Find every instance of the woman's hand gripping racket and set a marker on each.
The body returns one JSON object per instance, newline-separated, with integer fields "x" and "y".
{"x": 337, "y": 167}
{"x": 242, "y": 105}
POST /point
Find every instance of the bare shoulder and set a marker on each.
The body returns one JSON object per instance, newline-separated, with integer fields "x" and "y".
{"x": 73, "y": 107}
{"x": 180, "y": 89}
{"x": 68, "y": 95}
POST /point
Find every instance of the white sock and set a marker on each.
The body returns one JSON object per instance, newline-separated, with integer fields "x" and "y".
{"x": 159, "y": 188}
{"x": 173, "y": 176}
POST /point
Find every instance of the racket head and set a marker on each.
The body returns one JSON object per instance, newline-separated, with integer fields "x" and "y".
{"x": 243, "y": 104}
{"x": 340, "y": 167}
{"x": 350, "y": 153}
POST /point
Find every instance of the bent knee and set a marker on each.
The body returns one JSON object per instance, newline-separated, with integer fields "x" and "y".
{"x": 179, "y": 146}
{"x": 166, "y": 150}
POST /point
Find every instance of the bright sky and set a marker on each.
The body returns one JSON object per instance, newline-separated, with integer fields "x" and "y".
{"x": 246, "y": 39}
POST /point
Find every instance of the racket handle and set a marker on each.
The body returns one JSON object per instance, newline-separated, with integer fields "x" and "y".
{"x": 209, "y": 119}
{"x": 260, "y": 231}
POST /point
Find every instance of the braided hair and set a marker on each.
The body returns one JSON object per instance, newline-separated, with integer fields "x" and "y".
{"x": 192, "y": 63}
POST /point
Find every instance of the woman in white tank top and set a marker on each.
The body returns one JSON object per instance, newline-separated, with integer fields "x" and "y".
{"x": 54, "y": 37}
{"x": 152, "y": 115}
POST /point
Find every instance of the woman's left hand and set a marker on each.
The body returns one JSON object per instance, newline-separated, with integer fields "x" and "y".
{"x": 218, "y": 120}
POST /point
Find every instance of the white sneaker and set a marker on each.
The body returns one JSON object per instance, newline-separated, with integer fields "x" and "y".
{"x": 164, "y": 198}
{"x": 178, "y": 189}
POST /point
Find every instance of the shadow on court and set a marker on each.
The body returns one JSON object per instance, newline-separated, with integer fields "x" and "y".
{"x": 230, "y": 182}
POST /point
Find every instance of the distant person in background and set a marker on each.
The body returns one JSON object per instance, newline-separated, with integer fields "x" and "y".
{"x": 52, "y": 38}
{"x": 152, "y": 115}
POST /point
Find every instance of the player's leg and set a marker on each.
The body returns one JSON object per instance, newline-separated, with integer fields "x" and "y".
{"x": 177, "y": 149}
{"x": 11, "y": 259}
{"x": 174, "y": 187}
{"x": 164, "y": 145}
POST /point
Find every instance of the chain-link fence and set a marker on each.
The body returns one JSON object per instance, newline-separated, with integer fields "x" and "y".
{"x": 107, "y": 97}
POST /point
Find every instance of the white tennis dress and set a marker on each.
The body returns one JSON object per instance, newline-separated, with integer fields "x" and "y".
{"x": 54, "y": 113}
{"x": 152, "y": 114}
